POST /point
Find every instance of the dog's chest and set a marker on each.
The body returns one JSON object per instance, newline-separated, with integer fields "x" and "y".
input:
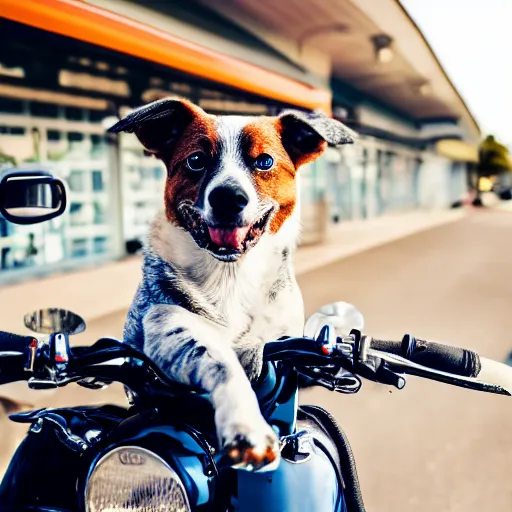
{"x": 257, "y": 307}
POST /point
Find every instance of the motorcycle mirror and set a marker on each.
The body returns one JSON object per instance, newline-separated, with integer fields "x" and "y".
{"x": 54, "y": 320}
{"x": 30, "y": 197}
{"x": 341, "y": 315}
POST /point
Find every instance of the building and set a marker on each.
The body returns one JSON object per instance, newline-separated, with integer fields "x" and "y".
{"x": 71, "y": 67}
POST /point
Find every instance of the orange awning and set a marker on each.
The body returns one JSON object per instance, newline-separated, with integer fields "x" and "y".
{"x": 73, "y": 18}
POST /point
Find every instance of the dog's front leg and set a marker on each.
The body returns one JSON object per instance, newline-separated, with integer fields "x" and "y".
{"x": 194, "y": 351}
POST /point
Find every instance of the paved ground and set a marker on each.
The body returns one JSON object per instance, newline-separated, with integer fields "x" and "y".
{"x": 428, "y": 447}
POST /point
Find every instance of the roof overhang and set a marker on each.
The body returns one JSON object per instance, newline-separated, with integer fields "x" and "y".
{"x": 101, "y": 27}
{"x": 413, "y": 83}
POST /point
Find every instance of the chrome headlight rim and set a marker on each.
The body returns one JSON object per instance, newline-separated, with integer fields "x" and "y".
{"x": 135, "y": 456}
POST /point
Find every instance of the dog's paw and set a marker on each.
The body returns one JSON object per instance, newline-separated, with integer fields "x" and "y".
{"x": 251, "y": 447}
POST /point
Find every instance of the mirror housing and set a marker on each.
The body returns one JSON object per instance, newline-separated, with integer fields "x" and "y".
{"x": 30, "y": 197}
{"x": 54, "y": 320}
{"x": 341, "y": 315}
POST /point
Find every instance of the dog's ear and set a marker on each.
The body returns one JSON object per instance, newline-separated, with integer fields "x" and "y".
{"x": 305, "y": 135}
{"x": 160, "y": 124}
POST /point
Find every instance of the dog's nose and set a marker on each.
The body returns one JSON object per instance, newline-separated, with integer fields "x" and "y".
{"x": 227, "y": 202}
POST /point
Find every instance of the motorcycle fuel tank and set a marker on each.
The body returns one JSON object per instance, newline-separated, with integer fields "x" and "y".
{"x": 305, "y": 480}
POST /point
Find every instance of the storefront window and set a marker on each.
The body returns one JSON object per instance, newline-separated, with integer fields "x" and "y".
{"x": 143, "y": 188}
{"x": 79, "y": 248}
{"x": 114, "y": 190}
{"x": 47, "y": 110}
{"x": 83, "y": 163}
{"x": 97, "y": 181}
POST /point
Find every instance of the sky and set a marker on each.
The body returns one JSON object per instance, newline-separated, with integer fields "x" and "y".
{"x": 473, "y": 41}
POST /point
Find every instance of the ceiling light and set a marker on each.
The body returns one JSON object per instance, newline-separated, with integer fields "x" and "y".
{"x": 382, "y": 45}
{"x": 424, "y": 89}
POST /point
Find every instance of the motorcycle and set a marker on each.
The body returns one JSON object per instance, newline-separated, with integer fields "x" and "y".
{"x": 160, "y": 453}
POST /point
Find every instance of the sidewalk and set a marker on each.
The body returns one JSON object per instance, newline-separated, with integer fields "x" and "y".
{"x": 350, "y": 238}
{"x": 503, "y": 206}
{"x": 104, "y": 290}
{"x": 493, "y": 202}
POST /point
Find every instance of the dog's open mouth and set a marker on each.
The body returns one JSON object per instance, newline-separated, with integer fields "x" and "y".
{"x": 226, "y": 243}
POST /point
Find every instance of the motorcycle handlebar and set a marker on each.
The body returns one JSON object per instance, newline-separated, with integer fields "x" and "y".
{"x": 14, "y": 350}
{"x": 300, "y": 352}
{"x": 445, "y": 358}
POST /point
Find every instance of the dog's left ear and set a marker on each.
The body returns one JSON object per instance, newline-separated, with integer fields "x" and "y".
{"x": 160, "y": 124}
{"x": 305, "y": 135}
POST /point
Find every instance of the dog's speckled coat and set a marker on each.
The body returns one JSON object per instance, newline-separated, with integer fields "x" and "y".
{"x": 204, "y": 315}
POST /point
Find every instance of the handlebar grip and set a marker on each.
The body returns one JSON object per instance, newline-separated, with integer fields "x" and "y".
{"x": 15, "y": 343}
{"x": 446, "y": 358}
{"x": 12, "y": 366}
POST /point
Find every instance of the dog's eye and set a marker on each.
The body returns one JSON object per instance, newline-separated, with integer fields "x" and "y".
{"x": 196, "y": 162}
{"x": 263, "y": 162}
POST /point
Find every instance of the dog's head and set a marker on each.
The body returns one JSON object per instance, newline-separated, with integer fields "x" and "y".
{"x": 230, "y": 179}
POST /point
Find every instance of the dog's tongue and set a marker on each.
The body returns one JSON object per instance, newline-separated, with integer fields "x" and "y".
{"x": 230, "y": 238}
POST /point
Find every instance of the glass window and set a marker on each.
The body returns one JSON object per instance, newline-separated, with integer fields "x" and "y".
{"x": 74, "y": 113}
{"x": 53, "y": 135}
{"x": 44, "y": 109}
{"x": 12, "y": 130}
{"x": 97, "y": 181}
{"x": 75, "y": 136}
{"x": 79, "y": 248}
{"x": 99, "y": 213}
{"x": 100, "y": 244}
{"x": 76, "y": 214}
{"x": 97, "y": 139}
{"x": 11, "y": 106}
{"x": 158, "y": 173}
{"x": 96, "y": 116}
{"x": 76, "y": 181}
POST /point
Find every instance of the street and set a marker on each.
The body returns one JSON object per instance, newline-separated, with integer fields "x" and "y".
{"x": 429, "y": 446}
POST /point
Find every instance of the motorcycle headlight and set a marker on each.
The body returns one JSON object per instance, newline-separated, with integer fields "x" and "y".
{"x": 131, "y": 478}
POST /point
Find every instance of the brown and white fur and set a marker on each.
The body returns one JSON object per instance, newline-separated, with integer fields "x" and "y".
{"x": 218, "y": 279}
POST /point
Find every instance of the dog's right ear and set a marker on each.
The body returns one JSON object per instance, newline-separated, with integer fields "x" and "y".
{"x": 160, "y": 124}
{"x": 305, "y": 135}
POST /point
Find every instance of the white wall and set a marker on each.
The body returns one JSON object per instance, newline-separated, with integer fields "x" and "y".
{"x": 435, "y": 182}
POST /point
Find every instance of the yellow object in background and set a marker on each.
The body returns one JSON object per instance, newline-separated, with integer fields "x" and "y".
{"x": 457, "y": 150}
{"x": 493, "y": 157}
{"x": 485, "y": 184}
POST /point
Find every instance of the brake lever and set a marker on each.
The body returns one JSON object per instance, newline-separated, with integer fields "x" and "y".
{"x": 398, "y": 364}
{"x": 342, "y": 381}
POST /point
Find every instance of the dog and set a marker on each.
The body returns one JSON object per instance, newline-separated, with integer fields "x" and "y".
{"x": 218, "y": 279}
